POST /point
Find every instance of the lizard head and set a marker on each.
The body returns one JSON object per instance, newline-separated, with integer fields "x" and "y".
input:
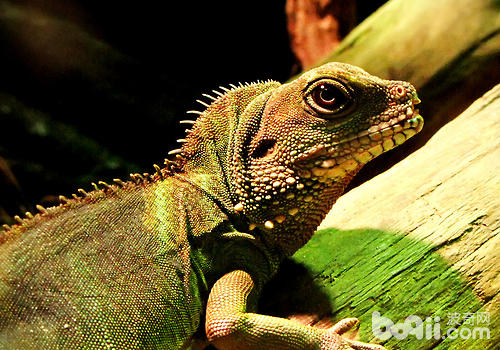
{"x": 310, "y": 138}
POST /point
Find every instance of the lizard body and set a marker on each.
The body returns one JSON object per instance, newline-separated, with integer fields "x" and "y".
{"x": 141, "y": 264}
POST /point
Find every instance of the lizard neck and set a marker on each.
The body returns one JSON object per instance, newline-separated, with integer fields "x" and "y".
{"x": 287, "y": 205}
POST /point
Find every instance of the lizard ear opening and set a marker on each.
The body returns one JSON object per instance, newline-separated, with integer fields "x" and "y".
{"x": 263, "y": 149}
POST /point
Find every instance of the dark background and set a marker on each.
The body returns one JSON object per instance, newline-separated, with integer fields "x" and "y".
{"x": 92, "y": 90}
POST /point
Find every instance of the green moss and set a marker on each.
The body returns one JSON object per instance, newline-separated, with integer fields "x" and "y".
{"x": 353, "y": 273}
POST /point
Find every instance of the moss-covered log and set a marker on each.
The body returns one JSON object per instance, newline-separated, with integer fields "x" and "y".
{"x": 421, "y": 239}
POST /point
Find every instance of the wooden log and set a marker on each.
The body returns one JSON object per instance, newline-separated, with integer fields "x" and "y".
{"x": 422, "y": 238}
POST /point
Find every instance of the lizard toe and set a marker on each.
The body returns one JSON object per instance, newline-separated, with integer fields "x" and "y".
{"x": 334, "y": 338}
{"x": 364, "y": 346}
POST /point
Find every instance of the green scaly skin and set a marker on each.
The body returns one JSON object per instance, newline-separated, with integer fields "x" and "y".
{"x": 141, "y": 264}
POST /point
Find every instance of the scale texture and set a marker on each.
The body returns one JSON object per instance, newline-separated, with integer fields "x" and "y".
{"x": 178, "y": 258}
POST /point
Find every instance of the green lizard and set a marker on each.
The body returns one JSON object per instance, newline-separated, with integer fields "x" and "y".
{"x": 151, "y": 262}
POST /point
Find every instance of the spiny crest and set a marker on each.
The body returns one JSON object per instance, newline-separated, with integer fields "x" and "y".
{"x": 99, "y": 187}
{"x": 171, "y": 167}
{"x": 178, "y": 152}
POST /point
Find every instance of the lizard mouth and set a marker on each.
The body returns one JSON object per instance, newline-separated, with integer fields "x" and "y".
{"x": 398, "y": 129}
{"x": 350, "y": 154}
{"x": 404, "y": 125}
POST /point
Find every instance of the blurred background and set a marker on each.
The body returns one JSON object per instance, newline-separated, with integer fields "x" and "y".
{"x": 93, "y": 90}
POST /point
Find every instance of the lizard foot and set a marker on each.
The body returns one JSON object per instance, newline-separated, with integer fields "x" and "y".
{"x": 333, "y": 339}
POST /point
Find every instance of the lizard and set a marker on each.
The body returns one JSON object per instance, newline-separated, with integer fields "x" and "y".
{"x": 165, "y": 258}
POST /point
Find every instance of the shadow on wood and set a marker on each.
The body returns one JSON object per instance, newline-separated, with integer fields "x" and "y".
{"x": 354, "y": 273}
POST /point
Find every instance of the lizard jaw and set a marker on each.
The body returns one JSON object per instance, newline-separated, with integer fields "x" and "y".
{"x": 348, "y": 156}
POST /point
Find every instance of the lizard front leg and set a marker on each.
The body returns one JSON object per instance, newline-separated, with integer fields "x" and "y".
{"x": 229, "y": 326}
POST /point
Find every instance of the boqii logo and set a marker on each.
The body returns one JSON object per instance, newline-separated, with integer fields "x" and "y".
{"x": 464, "y": 326}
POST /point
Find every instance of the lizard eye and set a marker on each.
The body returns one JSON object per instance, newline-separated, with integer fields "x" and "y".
{"x": 329, "y": 97}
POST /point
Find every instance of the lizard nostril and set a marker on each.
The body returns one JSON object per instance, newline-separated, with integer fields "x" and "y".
{"x": 414, "y": 99}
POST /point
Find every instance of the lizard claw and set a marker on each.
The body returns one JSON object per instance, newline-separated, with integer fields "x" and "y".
{"x": 344, "y": 325}
{"x": 357, "y": 345}
{"x": 333, "y": 337}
